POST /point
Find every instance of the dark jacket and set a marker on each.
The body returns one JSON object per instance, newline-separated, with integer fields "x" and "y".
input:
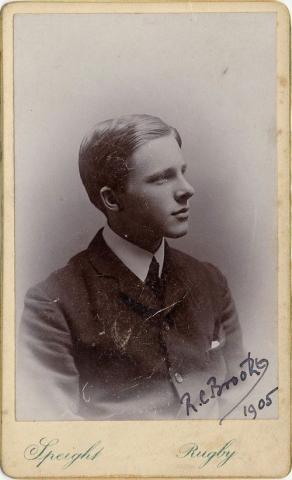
{"x": 96, "y": 343}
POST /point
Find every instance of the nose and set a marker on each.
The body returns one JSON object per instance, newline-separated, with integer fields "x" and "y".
{"x": 184, "y": 191}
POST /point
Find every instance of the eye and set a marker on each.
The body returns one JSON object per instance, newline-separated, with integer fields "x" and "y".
{"x": 162, "y": 180}
{"x": 162, "y": 177}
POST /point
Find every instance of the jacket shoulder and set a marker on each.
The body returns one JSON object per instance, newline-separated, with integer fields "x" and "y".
{"x": 191, "y": 265}
{"x": 68, "y": 278}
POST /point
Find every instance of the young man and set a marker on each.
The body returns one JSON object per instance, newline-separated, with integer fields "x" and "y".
{"x": 130, "y": 327}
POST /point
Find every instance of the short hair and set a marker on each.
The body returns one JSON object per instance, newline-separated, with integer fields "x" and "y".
{"x": 105, "y": 151}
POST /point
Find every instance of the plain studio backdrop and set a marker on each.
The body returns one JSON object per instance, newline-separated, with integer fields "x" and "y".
{"x": 213, "y": 77}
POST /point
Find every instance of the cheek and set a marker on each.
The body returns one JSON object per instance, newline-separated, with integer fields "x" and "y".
{"x": 160, "y": 193}
{"x": 153, "y": 205}
{"x": 150, "y": 201}
{"x": 137, "y": 207}
{"x": 139, "y": 199}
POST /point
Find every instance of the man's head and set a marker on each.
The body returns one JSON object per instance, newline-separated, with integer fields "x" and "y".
{"x": 133, "y": 171}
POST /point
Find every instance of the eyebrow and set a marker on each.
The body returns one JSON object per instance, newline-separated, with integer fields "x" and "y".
{"x": 163, "y": 173}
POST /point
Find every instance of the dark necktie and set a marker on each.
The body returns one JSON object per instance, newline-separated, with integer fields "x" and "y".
{"x": 152, "y": 279}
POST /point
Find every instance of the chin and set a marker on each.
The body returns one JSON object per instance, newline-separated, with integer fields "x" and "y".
{"x": 177, "y": 233}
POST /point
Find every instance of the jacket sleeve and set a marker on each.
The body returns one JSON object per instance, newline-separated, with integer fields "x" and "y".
{"x": 47, "y": 378}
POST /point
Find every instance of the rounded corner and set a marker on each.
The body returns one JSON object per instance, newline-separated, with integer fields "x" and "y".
{"x": 284, "y": 10}
{"x": 286, "y": 470}
{"x": 6, "y": 6}
{"x": 5, "y": 472}
{"x": 9, "y": 8}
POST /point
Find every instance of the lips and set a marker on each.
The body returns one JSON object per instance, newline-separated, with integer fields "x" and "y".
{"x": 182, "y": 214}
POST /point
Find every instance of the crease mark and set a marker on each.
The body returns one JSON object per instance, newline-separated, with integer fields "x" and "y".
{"x": 97, "y": 316}
{"x": 129, "y": 388}
{"x": 121, "y": 341}
{"x": 55, "y": 300}
{"x": 165, "y": 308}
{"x": 86, "y": 399}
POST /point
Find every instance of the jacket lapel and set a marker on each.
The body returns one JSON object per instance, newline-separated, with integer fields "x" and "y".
{"x": 130, "y": 286}
{"x": 192, "y": 320}
{"x": 175, "y": 283}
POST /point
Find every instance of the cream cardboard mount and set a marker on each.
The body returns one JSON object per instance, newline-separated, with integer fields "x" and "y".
{"x": 219, "y": 73}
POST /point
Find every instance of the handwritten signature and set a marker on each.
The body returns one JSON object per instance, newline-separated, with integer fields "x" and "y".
{"x": 43, "y": 451}
{"x": 249, "y": 367}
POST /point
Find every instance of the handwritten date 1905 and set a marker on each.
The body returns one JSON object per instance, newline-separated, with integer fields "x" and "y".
{"x": 252, "y": 410}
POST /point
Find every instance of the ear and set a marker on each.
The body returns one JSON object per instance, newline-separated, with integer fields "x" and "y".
{"x": 109, "y": 199}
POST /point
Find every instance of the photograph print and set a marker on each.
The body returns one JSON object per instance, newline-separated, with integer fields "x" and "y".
{"x": 146, "y": 216}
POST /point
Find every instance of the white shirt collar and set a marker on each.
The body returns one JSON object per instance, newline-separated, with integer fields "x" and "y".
{"x": 135, "y": 258}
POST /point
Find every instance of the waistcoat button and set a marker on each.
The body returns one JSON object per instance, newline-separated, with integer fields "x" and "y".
{"x": 178, "y": 377}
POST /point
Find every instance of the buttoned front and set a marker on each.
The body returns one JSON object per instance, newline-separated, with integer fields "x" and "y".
{"x": 178, "y": 377}
{"x": 166, "y": 327}
{"x": 103, "y": 346}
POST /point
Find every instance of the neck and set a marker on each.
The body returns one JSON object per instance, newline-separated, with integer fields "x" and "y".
{"x": 145, "y": 242}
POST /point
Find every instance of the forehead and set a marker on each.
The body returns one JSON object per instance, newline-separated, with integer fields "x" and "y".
{"x": 156, "y": 155}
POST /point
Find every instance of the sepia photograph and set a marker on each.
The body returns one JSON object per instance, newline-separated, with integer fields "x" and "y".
{"x": 147, "y": 209}
{"x": 176, "y": 197}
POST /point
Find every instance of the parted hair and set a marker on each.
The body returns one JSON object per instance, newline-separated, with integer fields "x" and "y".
{"x": 105, "y": 152}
